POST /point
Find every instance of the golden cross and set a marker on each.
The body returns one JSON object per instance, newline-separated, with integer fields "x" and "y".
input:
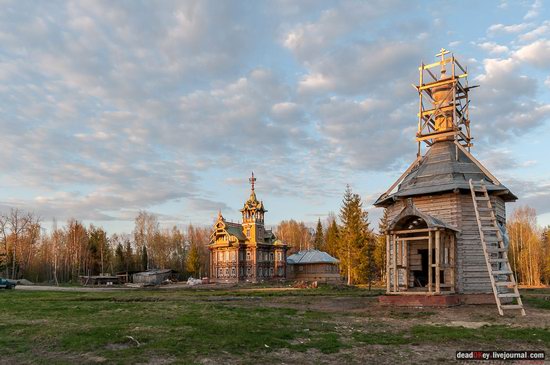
{"x": 442, "y": 53}
{"x": 252, "y": 180}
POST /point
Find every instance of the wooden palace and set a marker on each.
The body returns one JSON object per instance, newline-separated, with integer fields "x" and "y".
{"x": 246, "y": 251}
{"x": 446, "y": 237}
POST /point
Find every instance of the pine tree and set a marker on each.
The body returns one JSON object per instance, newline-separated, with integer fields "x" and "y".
{"x": 380, "y": 249}
{"x": 130, "y": 261}
{"x": 119, "y": 257}
{"x": 319, "y": 240}
{"x": 354, "y": 236}
{"x": 331, "y": 236}
{"x": 144, "y": 259}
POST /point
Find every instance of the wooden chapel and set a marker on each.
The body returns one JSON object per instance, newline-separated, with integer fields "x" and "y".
{"x": 446, "y": 239}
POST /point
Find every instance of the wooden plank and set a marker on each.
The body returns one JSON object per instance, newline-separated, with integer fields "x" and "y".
{"x": 452, "y": 262}
{"x": 395, "y": 275}
{"x": 437, "y": 261}
{"x": 406, "y": 264}
{"x": 430, "y": 260}
{"x": 387, "y": 263}
{"x": 413, "y": 231}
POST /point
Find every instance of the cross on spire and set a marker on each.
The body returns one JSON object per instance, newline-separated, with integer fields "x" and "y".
{"x": 442, "y": 53}
{"x": 252, "y": 180}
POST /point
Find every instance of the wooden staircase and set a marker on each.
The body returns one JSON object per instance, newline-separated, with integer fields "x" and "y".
{"x": 502, "y": 278}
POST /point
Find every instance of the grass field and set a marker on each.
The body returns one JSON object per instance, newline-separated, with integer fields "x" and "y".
{"x": 252, "y": 325}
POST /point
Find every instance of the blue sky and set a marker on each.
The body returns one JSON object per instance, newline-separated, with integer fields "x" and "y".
{"x": 107, "y": 107}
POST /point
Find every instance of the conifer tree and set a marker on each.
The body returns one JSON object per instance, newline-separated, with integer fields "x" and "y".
{"x": 144, "y": 259}
{"x": 380, "y": 249}
{"x": 119, "y": 257}
{"x": 331, "y": 236}
{"x": 319, "y": 240}
{"x": 354, "y": 236}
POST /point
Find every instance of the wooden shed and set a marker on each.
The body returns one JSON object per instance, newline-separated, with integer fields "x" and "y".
{"x": 153, "y": 277}
{"x": 446, "y": 233}
{"x": 313, "y": 265}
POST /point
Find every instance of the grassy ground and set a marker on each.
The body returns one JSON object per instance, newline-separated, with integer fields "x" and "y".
{"x": 248, "y": 325}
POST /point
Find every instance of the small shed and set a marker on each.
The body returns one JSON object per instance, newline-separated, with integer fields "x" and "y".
{"x": 153, "y": 277}
{"x": 313, "y": 265}
{"x": 99, "y": 280}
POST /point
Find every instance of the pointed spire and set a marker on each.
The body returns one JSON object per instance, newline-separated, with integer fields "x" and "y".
{"x": 220, "y": 216}
{"x": 252, "y": 180}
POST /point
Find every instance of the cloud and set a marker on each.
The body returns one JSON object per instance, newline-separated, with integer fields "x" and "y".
{"x": 107, "y": 108}
{"x": 493, "y": 48}
{"x": 506, "y": 104}
{"x": 536, "y": 53}
{"x": 534, "y": 10}
{"x": 534, "y": 193}
{"x": 356, "y": 135}
{"x": 539, "y": 32}
{"x": 513, "y": 28}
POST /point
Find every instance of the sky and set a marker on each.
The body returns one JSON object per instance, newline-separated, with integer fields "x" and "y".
{"x": 108, "y": 108}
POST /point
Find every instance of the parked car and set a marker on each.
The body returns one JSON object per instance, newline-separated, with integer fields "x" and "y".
{"x": 7, "y": 284}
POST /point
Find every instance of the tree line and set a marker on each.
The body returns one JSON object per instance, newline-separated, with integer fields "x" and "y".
{"x": 65, "y": 253}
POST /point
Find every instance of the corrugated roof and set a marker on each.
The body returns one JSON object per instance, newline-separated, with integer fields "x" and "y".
{"x": 311, "y": 257}
{"x": 155, "y": 272}
{"x": 443, "y": 168}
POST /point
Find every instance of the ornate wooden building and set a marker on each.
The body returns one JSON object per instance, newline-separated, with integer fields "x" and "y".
{"x": 447, "y": 214}
{"x": 246, "y": 251}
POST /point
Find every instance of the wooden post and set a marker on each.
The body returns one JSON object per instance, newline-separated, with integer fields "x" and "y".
{"x": 452, "y": 261}
{"x": 430, "y": 260}
{"x": 406, "y": 263}
{"x": 438, "y": 261}
{"x": 387, "y": 263}
{"x": 395, "y": 277}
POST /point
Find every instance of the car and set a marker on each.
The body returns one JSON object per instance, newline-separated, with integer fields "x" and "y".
{"x": 7, "y": 284}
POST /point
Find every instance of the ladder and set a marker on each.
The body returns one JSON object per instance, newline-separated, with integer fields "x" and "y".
{"x": 501, "y": 275}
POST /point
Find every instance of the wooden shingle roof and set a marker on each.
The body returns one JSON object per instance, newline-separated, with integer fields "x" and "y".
{"x": 445, "y": 167}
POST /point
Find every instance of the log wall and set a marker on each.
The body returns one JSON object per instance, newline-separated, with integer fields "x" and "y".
{"x": 457, "y": 210}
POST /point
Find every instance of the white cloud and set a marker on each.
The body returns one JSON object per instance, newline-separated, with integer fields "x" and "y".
{"x": 512, "y": 28}
{"x": 492, "y": 47}
{"x": 541, "y": 31}
{"x": 534, "y": 10}
{"x": 536, "y": 53}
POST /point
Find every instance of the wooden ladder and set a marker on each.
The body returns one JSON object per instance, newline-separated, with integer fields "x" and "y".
{"x": 501, "y": 275}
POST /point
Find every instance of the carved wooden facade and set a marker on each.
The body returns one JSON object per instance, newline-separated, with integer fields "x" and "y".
{"x": 246, "y": 251}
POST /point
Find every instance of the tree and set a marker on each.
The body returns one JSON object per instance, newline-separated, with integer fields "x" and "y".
{"x": 193, "y": 263}
{"x": 98, "y": 246}
{"x": 129, "y": 256}
{"x": 146, "y": 227}
{"x": 354, "y": 236}
{"x": 545, "y": 241}
{"x": 331, "y": 236}
{"x": 120, "y": 263}
{"x": 197, "y": 261}
{"x": 295, "y": 234}
{"x": 380, "y": 249}
{"x": 525, "y": 250}
{"x": 319, "y": 240}
{"x": 144, "y": 258}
